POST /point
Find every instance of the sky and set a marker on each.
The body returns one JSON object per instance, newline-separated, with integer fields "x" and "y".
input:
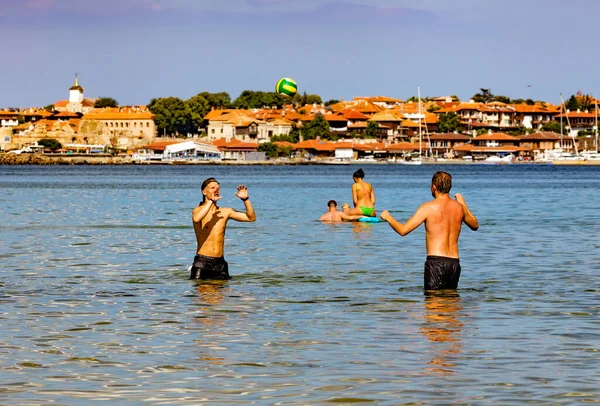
{"x": 136, "y": 50}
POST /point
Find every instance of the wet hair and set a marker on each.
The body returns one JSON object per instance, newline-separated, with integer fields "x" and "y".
{"x": 442, "y": 181}
{"x": 359, "y": 174}
{"x": 205, "y": 184}
{"x": 331, "y": 203}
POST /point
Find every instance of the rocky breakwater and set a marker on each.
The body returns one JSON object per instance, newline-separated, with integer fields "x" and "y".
{"x": 62, "y": 159}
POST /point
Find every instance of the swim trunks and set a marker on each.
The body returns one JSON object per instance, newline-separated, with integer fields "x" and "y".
{"x": 367, "y": 211}
{"x": 209, "y": 268}
{"x": 441, "y": 272}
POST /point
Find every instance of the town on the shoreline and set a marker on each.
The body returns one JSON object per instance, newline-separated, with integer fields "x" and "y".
{"x": 372, "y": 129}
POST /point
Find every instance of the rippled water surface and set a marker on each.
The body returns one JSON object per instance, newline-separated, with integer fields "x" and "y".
{"x": 95, "y": 304}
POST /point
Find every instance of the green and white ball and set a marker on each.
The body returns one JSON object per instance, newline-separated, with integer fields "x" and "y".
{"x": 286, "y": 86}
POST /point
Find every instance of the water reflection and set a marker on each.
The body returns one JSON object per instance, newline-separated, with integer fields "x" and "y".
{"x": 211, "y": 293}
{"x": 361, "y": 230}
{"x": 442, "y": 326}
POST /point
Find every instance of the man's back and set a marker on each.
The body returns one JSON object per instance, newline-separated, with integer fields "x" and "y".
{"x": 444, "y": 217}
{"x": 331, "y": 216}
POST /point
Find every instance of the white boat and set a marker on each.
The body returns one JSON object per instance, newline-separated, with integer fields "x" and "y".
{"x": 495, "y": 159}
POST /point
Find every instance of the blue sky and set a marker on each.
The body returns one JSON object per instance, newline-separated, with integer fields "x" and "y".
{"x": 134, "y": 50}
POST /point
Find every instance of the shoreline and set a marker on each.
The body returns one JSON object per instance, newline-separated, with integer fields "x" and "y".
{"x": 87, "y": 159}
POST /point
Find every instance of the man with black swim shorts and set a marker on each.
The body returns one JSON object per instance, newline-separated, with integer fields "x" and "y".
{"x": 210, "y": 222}
{"x": 443, "y": 218}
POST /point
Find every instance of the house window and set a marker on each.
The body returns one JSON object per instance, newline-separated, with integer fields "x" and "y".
{"x": 443, "y": 143}
{"x": 212, "y": 131}
{"x": 6, "y": 139}
{"x": 221, "y": 131}
{"x": 147, "y": 125}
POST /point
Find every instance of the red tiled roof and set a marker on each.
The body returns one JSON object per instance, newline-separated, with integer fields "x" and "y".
{"x": 160, "y": 145}
{"x": 313, "y": 144}
{"x": 495, "y": 137}
{"x": 403, "y": 146}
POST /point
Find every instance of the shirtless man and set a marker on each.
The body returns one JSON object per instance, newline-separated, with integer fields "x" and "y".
{"x": 443, "y": 218}
{"x": 210, "y": 222}
{"x": 333, "y": 215}
{"x": 363, "y": 196}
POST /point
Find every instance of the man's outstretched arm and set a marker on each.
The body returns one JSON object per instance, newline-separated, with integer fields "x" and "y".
{"x": 348, "y": 217}
{"x": 403, "y": 229}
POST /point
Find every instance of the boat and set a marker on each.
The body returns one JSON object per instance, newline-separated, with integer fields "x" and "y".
{"x": 583, "y": 158}
{"x": 496, "y": 159}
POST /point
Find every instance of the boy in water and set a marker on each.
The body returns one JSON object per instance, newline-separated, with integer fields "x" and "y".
{"x": 333, "y": 215}
{"x": 443, "y": 218}
{"x": 210, "y": 222}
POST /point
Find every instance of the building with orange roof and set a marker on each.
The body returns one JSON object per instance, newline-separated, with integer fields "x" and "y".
{"x": 381, "y": 101}
{"x": 76, "y": 103}
{"x": 533, "y": 116}
{"x": 575, "y": 121}
{"x": 359, "y": 129}
{"x": 244, "y": 126}
{"x": 491, "y": 144}
{"x": 443, "y": 144}
{"x": 9, "y": 118}
{"x": 238, "y": 150}
{"x": 122, "y": 127}
{"x": 390, "y": 119}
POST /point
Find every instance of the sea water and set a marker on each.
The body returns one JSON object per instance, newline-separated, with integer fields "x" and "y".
{"x": 95, "y": 304}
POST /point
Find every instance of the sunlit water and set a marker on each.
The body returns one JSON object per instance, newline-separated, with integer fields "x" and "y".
{"x": 95, "y": 304}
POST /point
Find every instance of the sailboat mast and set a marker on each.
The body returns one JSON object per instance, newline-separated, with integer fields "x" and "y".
{"x": 561, "y": 121}
{"x": 596, "y": 102}
{"x": 420, "y": 130}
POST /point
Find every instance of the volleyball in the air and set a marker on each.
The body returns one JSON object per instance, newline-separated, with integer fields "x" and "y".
{"x": 286, "y": 86}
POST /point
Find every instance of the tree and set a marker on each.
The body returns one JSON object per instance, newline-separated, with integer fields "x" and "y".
{"x": 502, "y": 99}
{"x": 313, "y": 99}
{"x": 484, "y": 96}
{"x": 171, "y": 115}
{"x": 318, "y": 127}
{"x": 572, "y": 104}
{"x": 371, "y": 131}
{"x": 520, "y": 130}
{"x": 553, "y": 126}
{"x": 449, "y": 122}
{"x": 251, "y": 99}
{"x": 331, "y": 101}
{"x": 197, "y": 107}
{"x": 220, "y": 100}
{"x": 105, "y": 102}
{"x": 586, "y": 102}
{"x": 294, "y": 134}
{"x": 269, "y": 149}
{"x": 49, "y": 108}
{"x": 50, "y": 143}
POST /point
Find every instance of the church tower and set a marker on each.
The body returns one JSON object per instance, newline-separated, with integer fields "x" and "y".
{"x": 76, "y": 92}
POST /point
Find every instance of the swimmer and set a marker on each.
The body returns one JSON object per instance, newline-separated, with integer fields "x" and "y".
{"x": 363, "y": 196}
{"x": 333, "y": 215}
{"x": 210, "y": 222}
{"x": 443, "y": 218}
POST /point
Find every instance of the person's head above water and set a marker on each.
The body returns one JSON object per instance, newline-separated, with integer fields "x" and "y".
{"x": 442, "y": 181}
{"x": 345, "y": 207}
{"x": 332, "y": 203}
{"x": 359, "y": 174}
{"x": 208, "y": 188}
